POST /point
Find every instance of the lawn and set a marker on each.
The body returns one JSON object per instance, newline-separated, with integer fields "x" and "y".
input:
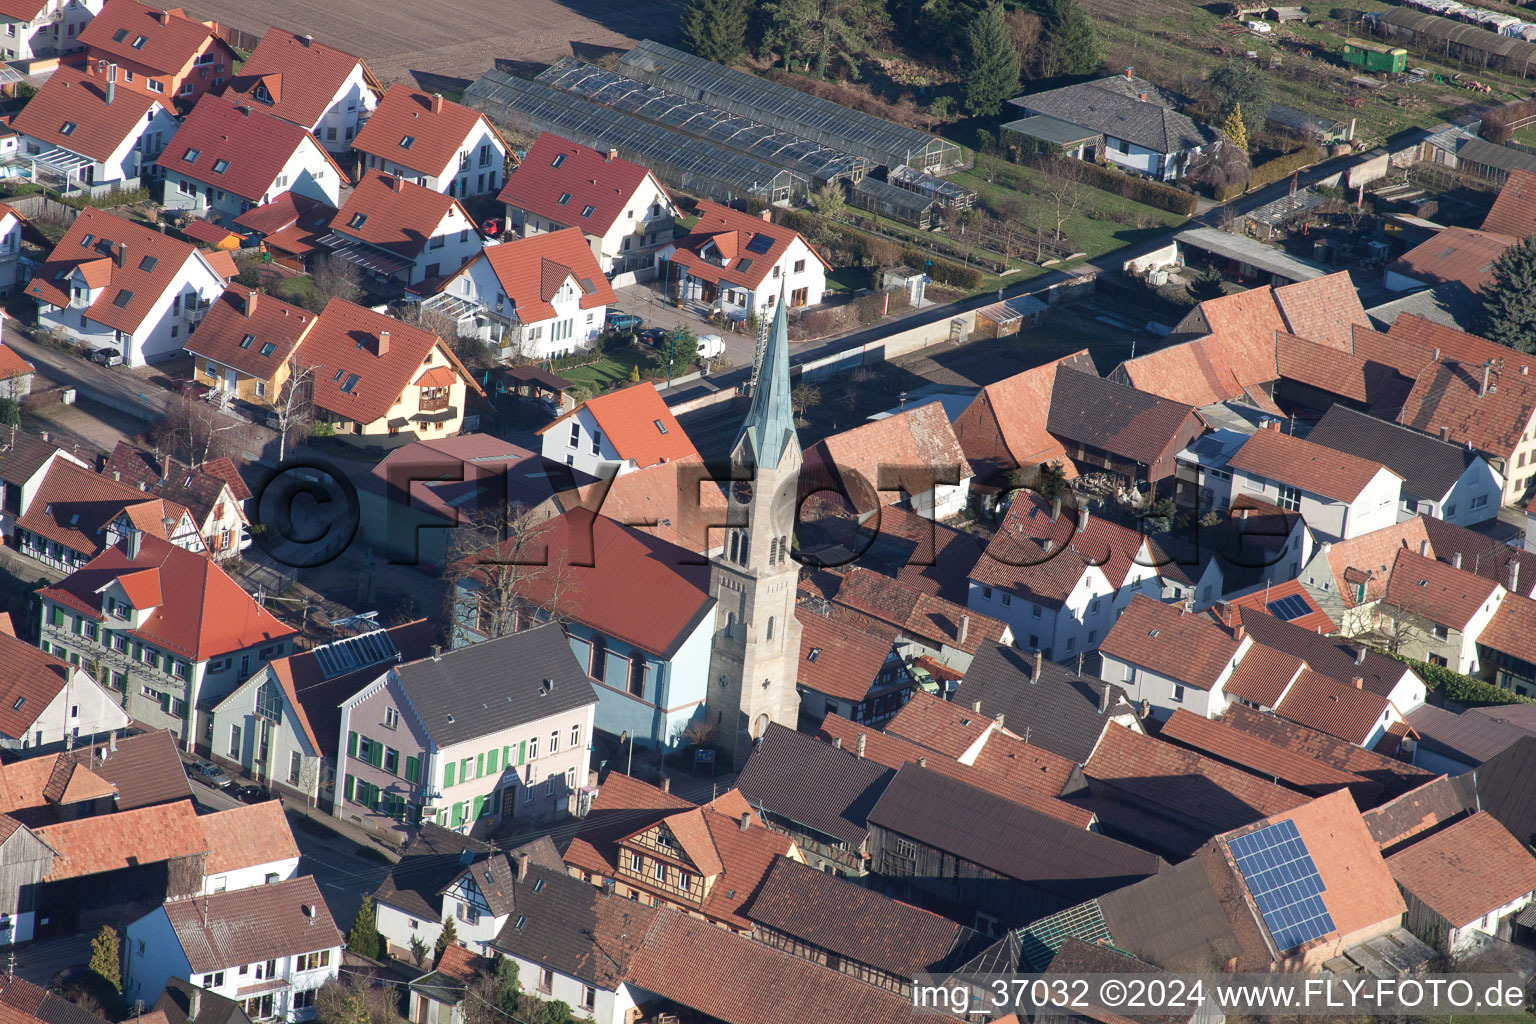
{"x": 847, "y": 279}
{"x": 613, "y": 368}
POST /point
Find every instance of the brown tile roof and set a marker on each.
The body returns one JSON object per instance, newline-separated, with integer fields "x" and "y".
{"x": 71, "y": 96}
{"x": 1369, "y": 557}
{"x": 1040, "y": 572}
{"x": 1348, "y": 712}
{"x": 406, "y": 112}
{"x": 659, "y": 500}
{"x": 1165, "y": 639}
{"x": 915, "y": 613}
{"x": 73, "y": 506}
{"x": 1002, "y": 429}
{"x": 586, "y": 176}
{"x": 1467, "y": 869}
{"x": 1396, "y": 352}
{"x": 1253, "y": 754}
{"x": 1453, "y": 345}
{"x": 1438, "y": 592}
{"x": 1196, "y": 373}
{"x": 1101, "y": 541}
{"x": 1512, "y": 630}
{"x": 251, "y": 145}
{"x": 108, "y": 842}
{"x": 1244, "y": 324}
{"x": 396, "y": 215}
{"x": 240, "y": 313}
{"x": 247, "y": 836}
{"x": 300, "y": 75}
{"x": 840, "y": 660}
{"x": 731, "y": 231}
{"x": 171, "y": 39}
{"x": 23, "y": 784}
{"x": 1263, "y": 675}
{"x": 1323, "y": 310}
{"x": 30, "y": 682}
{"x": 887, "y": 460}
{"x": 1121, "y": 420}
{"x": 1340, "y": 372}
{"x": 1464, "y": 255}
{"x": 1445, "y": 398}
{"x": 145, "y": 769}
{"x": 746, "y": 855}
{"x": 1491, "y": 559}
{"x": 244, "y": 926}
{"x": 1514, "y": 211}
{"x": 1171, "y": 780}
{"x": 635, "y": 419}
{"x": 1395, "y": 777}
{"x": 1429, "y": 806}
{"x": 623, "y": 806}
{"x": 1310, "y": 467}
{"x": 1259, "y": 600}
{"x": 938, "y": 724}
{"x": 345, "y": 341}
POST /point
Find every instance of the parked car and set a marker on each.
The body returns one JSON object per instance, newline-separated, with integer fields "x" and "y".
{"x": 622, "y": 322}
{"x": 252, "y": 794}
{"x": 655, "y": 337}
{"x": 210, "y": 774}
{"x": 711, "y": 345}
{"x": 107, "y": 357}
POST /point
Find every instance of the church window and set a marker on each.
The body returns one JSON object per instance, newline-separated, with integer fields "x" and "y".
{"x": 773, "y": 551}
{"x": 769, "y": 636}
{"x": 735, "y": 541}
{"x": 730, "y": 623}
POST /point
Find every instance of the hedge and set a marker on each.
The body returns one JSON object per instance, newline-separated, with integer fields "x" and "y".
{"x": 944, "y": 271}
{"x": 1141, "y": 190}
{"x": 859, "y": 246}
{"x": 1271, "y": 171}
{"x": 1464, "y": 690}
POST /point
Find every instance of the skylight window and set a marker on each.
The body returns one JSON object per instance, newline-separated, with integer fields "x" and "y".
{"x": 521, "y": 920}
{"x": 220, "y": 166}
{"x": 85, "y": 243}
{"x": 268, "y": 349}
{"x": 565, "y": 197}
{"x": 538, "y": 886}
{"x": 68, "y": 128}
{"x": 815, "y": 653}
{"x": 744, "y": 264}
{"x": 340, "y": 374}
{"x": 123, "y": 298}
{"x": 19, "y": 702}
{"x": 358, "y": 220}
{"x": 586, "y": 211}
{"x": 558, "y": 160}
{"x": 119, "y": 35}
{"x": 191, "y": 155}
{"x": 407, "y": 142}
{"x": 760, "y": 244}
{"x": 138, "y": 44}
{"x": 350, "y": 383}
{"x": 246, "y": 341}
{"x": 660, "y": 426}
{"x": 149, "y": 263}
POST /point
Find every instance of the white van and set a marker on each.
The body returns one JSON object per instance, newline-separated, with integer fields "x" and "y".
{"x": 711, "y": 345}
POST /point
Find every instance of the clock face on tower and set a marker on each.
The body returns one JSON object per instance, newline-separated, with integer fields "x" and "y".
{"x": 741, "y": 490}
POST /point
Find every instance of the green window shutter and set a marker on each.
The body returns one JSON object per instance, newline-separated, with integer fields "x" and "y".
{"x": 377, "y": 750}
{"x": 496, "y": 801}
{"x": 479, "y": 806}
{"x": 351, "y": 744}
{"x": 58, "y": 616}
{"x": 448, "y": 774}
{"x": 412, "y": 770}
{"x": 465, "y": 767}
{"x": 491, "y": 761}
{"x": 349, "y": 787}
{"x": 522, "y": 752}
{"x": 506, "y": 756}
{"x": 458, "y": 815}
{"x": 479, "y": 765}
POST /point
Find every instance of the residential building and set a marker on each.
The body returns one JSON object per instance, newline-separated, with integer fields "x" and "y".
{"x": 850, "y": 671}
{"x": 113, "y": 283}
{"x": 1123, "y": 119}
{"x": 226, "y": 160}
{"x": 1510, "y": 566}
{"x": 1395, "y": 777}
{"x": 1314, "y": 377}
{"x": 83, "y": 127}
{"x": 162, "y": 53}
{"x": 708, "y": 861}
{"x": 25, "y": 460}
{"x": 143, "y": 770}
{"x": 1440, "y": 480}
{"x": 1463, "y": 256}
{"x": 434, "y": 142}
{"x": 184, "y": 1003}
{"x": 49, "y": 28}
{"x": 164, "y": 626}
{"x": 1446, "y": 743}
{"x": 912, "y": 458}
{"x": 540, "y": 297}
{"x": 318, "y": 87}
{"x": 1340, "y": 496}
{"x": 1107, "y": 427}
{"x": 458, "y": 742}
{"x": 621, "y": 208}
{"x": 47, "y": 702}
{"x": 637, "y": 609}
{"x": 269, "y": 948}
{"x": 1292, "y": 769}
{"x": 399, "y": 231}
{"x": 213, "y": 494}
{"x": 1166, "y": 658}
{"x": 249, "y": 845}
{"x": 378, "y": 380}
{"x": 246, "y": 347}
{"x": 1334, "y": 657}
{"x": 77, "y": 514}
{"x": 740, "y": 264}
{"x": 1465, "y": 883}
{"x": 999, "y": 432}
{"x": 288, "y": 230}
{"x": 1348, "y": 578}
{"x": 15, "y": 372}
{"x": 1436, "y": 611}
{"x": 616, "y": 433}
{"x": 281, "y": 725}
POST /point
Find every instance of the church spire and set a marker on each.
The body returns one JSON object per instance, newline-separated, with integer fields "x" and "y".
{"x": 770, "y": 423}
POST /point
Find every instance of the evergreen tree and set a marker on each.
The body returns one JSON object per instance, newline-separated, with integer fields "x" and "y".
{"x": 992, "y": 64}
{"x": 104, "y": 961}
{"x": 1070, "y": 46}
{"x": 1206, "y": 285}
{"x": 1241, "y": 83}
{"x": 820, "y": 31}
{"x": 447, "y": 937}
{"x": 364, "y": 938}
{"x": 1234, "y": 129}
{"x": 716, "y": 29}
{"x": 506, "y": 984}
{"x": 1509, "y": 300}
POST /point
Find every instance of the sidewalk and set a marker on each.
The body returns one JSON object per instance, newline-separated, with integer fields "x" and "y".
{"x": 320, "y": 820}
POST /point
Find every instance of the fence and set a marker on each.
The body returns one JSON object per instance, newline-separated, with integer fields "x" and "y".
{"x": 40, "y": 207}
{"x": 238, "y": 38}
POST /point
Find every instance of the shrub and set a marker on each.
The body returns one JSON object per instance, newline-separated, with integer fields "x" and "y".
{"x": 1464, "y": 690}
{"x": 944, "y": 271}
{"x": 1141, "y": 190}
{"x": 1272, "y": 171}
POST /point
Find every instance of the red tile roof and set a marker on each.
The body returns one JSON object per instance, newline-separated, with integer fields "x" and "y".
{"x": 1378, "y": 347}
{"x": 1307, "y": 466}
{"x": 171, "y": 38}
{"x": 1463, "y": 255}
{"x": 660, "y": 500}
{"x": 1183, "y": 783}
{"x": 244, "y": 926}
{"x": 588, "y": 177}
{"x": 1512, "y": 630}
{"x": 915, "y": 613}
{"x": 949, "y": 728}
{"x": 1341, "y": 373}
{"x": 1341, "y": 710}
{"x": 247, "y": 836}
{"x": 251, "y": 145}
{"x": 1446, "y": 396}
{"x": 1395, "y": 777}
{"x": 397, "y": 215}
{"x": 1368, "y": 559}
{"x": 73, "y": 506}
{"x": 1259, "y": 600}
{"x": 840, "y": 660}
{"x": 1263, "y": 675}
{"x": 241, "y": 313}
{"x": 301, "y": 76}
{"x": 1323, "y": 310}
{"x": 1253, "y": 754}
{"x": 888, "y": 460}
{"x": 1514, "y": 211}
{"x": 622, "y": 807}
{"x": 75, "y": 97}
{"x": 1196, "y": 373}
{"x": 1002, "y": 428}
{"x": 1163, "y": 638}
{"x": 30, "y": 682}
{"x": 204, "y": 614}
{"x": 1466, "y": 870}
{"x": 531, "y": 270}
{"x": 1454, "y": 346}
{"x": 1109, "y": 545}
{"x": 636, "y": 422}
{"x": 151, "y": 261}
{"x": 1245, "y": 324}
{"x": 108, "y": 842}
{"x": 346, "y": 342}
{"x": 1441, "y": 593}
{"x": 731, "y": 231}
{"x": 11, "y": 364}
{"x": 1236, "y": 356}
{"x": 407, "y": 113}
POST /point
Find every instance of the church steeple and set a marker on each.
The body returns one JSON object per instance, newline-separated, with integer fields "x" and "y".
{"x": 770, "y": 425}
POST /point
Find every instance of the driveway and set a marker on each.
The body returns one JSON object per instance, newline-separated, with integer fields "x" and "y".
{"x": 644, "y": 301}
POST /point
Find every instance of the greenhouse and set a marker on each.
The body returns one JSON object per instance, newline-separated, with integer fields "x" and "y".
{"x": 890, "y": 201}
{"x": 941, "y": 190}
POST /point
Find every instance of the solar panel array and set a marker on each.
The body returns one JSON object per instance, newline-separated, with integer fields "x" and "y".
{"x": 1292, "y": 606}
{"x": 355, "y": 652}
{"x": 703, "y": 121}
{"x": 1284, "y": 883}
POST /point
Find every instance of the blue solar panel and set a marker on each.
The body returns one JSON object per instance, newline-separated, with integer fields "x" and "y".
{"x": 1284, "y": 883}
{"x": 1292, "y": 606}
{"x": 760, "y": 244}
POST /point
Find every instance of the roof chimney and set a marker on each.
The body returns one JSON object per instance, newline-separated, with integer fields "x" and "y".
{"x": 1359, "y": 682}
{"x": 522, "y": 867}
{"x": 1456, "y": 559}
{"x": 965, "y": 627}
{"x": 116, "y": 475}
{"x": 383, "y": 344}
{"x": 1436, "y": 357}
{"x": 120, "y": 254}
{"x": 194, "y": 1003}
{"x": 397, "y": 183}
{"x": 1039, "y": 665}
{"x": 1424, "y": 548}
{"x": 132, "y": 540}
{"x": 1142, "y": 97}
{"x": 1082, "y": 518}
{"x": 111, "y": 83}
{"x": 1445, "y": 433}
{"x": 613, "y": 154}
{"x": 163, "y": 17}
{"x": 1055, "y": 509}
{"x": 1001, "y": 718}
{"x": 1129, "y": 73}
{"x": 1239, "y": 631}
{"x": 1514, "y": 576}
{"x": 976, "y": 706}
{"x": 250, "y": 303}
{"x": 746, "y": 820}
{"x": 858, "y": 748}
{"x": 666, "y": 784}
{"x": 1104, "y": 699}
{"x": 1483, "y": 388}
{"x": 437, "y": 103}
{"x": 767, "y": 215}
{"x": 307, "y": 39}
{"x": 837, "y": 743}
{"x": 922, "y": 762}
{"x": 1048, "y": 546}
{"x": 437, "y": 652}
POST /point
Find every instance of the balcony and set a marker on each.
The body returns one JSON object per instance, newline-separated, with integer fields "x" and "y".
{"x": 437, "y": 404}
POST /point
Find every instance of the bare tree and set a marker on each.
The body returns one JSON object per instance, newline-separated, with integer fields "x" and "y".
{"x": 194, "y": 432}
{"x": 1397, "y": 630}
{"x": 293, "y": 406}
{"x": 1066, "y": 195}
{"x": 502, "y": 565}
{"x": 337, "y": 278}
